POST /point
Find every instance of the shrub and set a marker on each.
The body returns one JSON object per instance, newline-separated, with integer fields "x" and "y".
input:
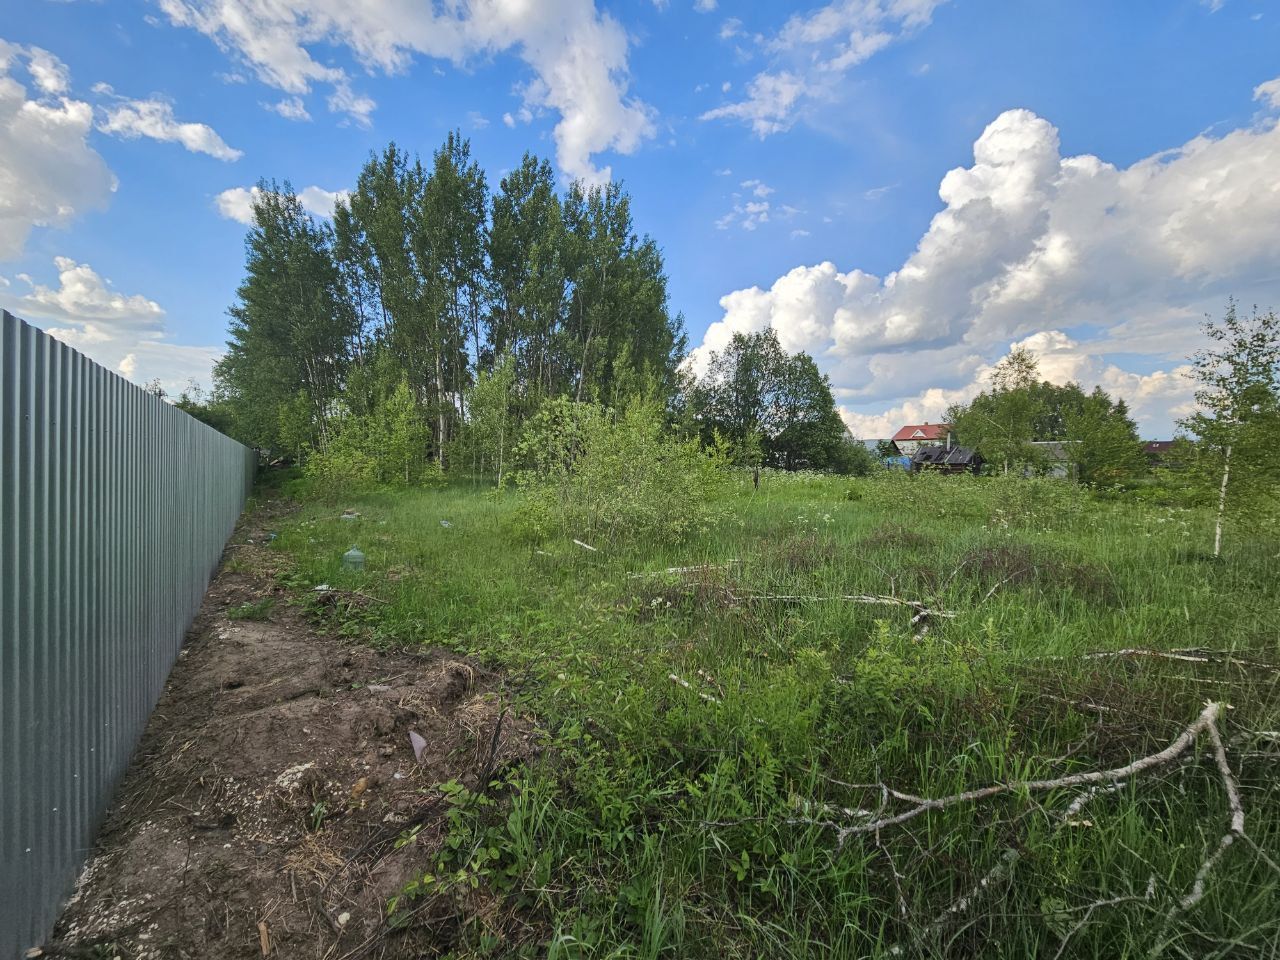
{"x": 385, "y": 447}
{"x": 604, "y": 477}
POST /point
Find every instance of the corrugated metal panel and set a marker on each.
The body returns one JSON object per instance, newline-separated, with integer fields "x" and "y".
{"x": 114, "y": 509}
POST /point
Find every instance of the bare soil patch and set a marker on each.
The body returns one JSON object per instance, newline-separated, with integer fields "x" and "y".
{"x": 261, "y": 812}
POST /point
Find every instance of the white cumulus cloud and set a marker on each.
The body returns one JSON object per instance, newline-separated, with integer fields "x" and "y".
{"x": 577, "y": 56}
{"x": 1101, "y": 270}
{"x": 291, "y": 108}
{"x": 154, "y": 119}
{"x": 124, "y": 332}
{"x": 49, "y": 174}
{"x": 813, "y": 51}
{"x": 236, "y": 203}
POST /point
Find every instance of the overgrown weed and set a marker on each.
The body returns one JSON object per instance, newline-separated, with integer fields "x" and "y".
{"x": 700, "y": 733}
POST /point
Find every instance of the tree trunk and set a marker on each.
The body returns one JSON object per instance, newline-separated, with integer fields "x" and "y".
{"x": 1222, "y": 504}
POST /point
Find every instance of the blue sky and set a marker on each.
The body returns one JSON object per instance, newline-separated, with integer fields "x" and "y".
{"x": 904, "y": 188}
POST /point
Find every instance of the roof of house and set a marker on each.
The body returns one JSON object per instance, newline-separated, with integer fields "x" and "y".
{"x": 942, "y": 456}
{"x": 1054, "y": 449}
{"x": 1157, "y": 446}
{"x": 923, "y": 431}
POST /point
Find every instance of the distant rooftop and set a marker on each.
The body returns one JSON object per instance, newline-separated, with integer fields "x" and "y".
{"x": 923, "y": 431}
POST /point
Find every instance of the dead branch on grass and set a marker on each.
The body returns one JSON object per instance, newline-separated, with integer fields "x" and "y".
{"x": 681, "y": 682}
{"x": 1184, "y": 655}
{"x": 681, "y": 571}
{"x": 372, "y": 852}
{"x": 333, "y": 593}
{"x": 920, "y": 621}
{"x": 1096, "y": 782}
{"x": 1207, "y": 720}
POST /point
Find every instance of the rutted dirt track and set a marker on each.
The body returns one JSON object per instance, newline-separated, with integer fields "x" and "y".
{"x": 260, "y": 814}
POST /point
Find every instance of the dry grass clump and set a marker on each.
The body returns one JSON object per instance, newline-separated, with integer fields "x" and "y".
{"x": 697, "y": 591}
{"x": 802, "y": 552}
{"x": 1022, "y": 565}
{"x": 893, "y": 534}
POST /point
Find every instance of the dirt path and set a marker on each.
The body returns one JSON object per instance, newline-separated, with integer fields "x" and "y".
{"x": 260, "y": 814}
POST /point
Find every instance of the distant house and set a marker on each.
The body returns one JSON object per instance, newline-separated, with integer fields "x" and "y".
{"x": 946, "y": 459}
{"x": 916, "y": 435}
{"x": 1157, "y": 451}
{"x": 1058, "y": 458}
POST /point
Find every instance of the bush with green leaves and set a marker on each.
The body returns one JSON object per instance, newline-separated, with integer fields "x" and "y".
{"x": 605, "y": 477}
{"x": 385, "y": 447}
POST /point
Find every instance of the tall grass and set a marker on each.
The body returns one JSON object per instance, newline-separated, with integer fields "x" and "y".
{"x": 683, "y": 817}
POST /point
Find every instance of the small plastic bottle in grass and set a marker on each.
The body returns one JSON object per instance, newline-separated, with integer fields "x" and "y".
{"x": 353, "y": 559}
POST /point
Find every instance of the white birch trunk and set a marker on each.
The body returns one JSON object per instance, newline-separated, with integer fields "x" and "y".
{"x": 1222, "y": 504}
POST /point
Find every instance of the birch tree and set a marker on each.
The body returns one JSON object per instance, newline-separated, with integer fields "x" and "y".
{"x": 1237, "y": 425}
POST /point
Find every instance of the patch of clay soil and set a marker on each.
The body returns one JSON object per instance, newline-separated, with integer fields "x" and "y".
{"x": 261, "y": 812}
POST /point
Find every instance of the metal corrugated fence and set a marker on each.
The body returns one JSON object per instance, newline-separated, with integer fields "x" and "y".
{"x": 114, "y": 509}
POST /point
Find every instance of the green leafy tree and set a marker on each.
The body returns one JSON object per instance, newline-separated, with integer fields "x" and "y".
{"x": 207, "y": 407}
{"x": 387, "y": 446}
{"x": 1104, "y": 441}
{"x": 1237, "y": 425}
{"x": 757, "y": 396}
{"x": 291, "y": 328}
{"x": 1000, "y": 423}
{"x": 604, "y": 478}
{"x": 490, "y": 428}
{"x": 528, "y": 280}
{"x": 617, "y": 327}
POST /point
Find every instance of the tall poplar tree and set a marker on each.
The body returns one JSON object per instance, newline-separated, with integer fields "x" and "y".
{"x": 291, "y": 328}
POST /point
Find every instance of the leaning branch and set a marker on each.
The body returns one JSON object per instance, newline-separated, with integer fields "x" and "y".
{"x": 1206, "y": 721}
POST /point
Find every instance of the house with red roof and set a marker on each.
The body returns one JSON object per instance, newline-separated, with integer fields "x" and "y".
{"x": 916, "y": 435}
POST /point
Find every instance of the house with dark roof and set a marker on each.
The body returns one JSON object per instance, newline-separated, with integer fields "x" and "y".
{"x": 916, "y": 435}
{"x": 946, "y": 459}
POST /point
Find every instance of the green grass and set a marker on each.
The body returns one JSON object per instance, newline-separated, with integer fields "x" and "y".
{"x": 681, "y": 821}
{"x": 253, "y": 610}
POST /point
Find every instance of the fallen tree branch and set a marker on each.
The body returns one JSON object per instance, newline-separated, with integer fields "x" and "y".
{"x": 1097, "y": 904}
{"x": 1012, "y": 855}
{"x": 1235, "y": 831}
{"x": 1185, "y": 655}
{"x": 1207, "y": 720}
{"x": 681, "y": 682}
{"x": 922, "y": 610}
{"x": 680, "y": 571}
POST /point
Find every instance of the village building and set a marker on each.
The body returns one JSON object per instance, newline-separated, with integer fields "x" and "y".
{"x": 950, "y": 459}
{"x": 1161, "y": 453}
{"x": 914, "y": 436}
{"x": 1057, "y": 459}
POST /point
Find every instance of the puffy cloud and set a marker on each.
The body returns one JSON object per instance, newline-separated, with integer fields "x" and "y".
{"x": 82, "y": 297}
{"x": 320, "y": 201}
{"x": 704, "y": 6}
{"x": 49, "y": 73}
{"x": 237, "y": 202}
{"x": 813, "y": 51}
{"x": 48, "y": 172}
{"x": 1155, "y": 400}
{"x": 123, "y": 332}
{"x": 291, "y": 108}
{"x": 1031, "y": 244}
{"x": 577, "y": 54}
{"x": 154, "y": 119}
{"x": 768, "y": 108}
{"x": 1268, "y": 93}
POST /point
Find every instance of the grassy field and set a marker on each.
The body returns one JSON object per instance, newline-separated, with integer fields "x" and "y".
{"x": 718, "y": 740}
